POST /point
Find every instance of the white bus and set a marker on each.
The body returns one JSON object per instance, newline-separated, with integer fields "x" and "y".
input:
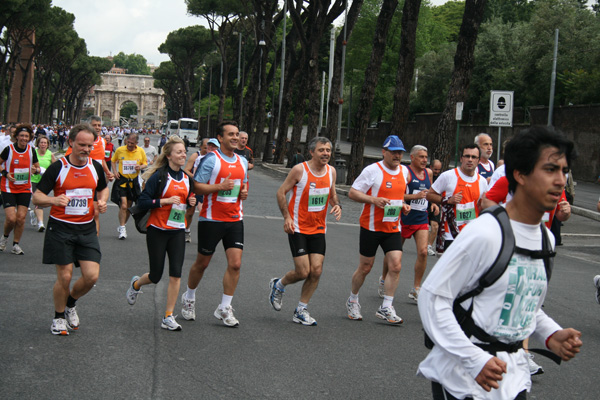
{"x": 188, "y": 127}
{"x": 172, "y": 127}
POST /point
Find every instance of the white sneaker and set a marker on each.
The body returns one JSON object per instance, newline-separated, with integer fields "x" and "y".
{"x": 188, "y": 236}
{"x": 389, "y": 315}
{"x": 170, "y": 324}
{"x": 41, "y": 227}
{"x": 59, "y": 327}
{"x": 33, "y": 218}
{"x": 275, "y": 295}
{"x": 303, "y": 317}
{"x": 72, "y": 318}
{"x": 3, "y": 243}
{"x": 534, "y": 368}
{"x": 381, "y": 287}
{"x": 122, "y": 232}
{"x": 414, "y": 294}
{"x": 132, "y": 294}
{"x": 17, "y": 249}
{"x": 188, "y": 311}
{"x": 430, "y": 250}
{"x": 226, "y": 315}
{"x": 353, "y": 309}
{"x": 597, "y": 284}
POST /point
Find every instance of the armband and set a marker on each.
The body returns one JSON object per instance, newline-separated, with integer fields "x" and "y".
{"x": 4, "y": 172}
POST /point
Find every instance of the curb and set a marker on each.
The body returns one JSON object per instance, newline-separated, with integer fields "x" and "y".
{"x": 585, "y": 213}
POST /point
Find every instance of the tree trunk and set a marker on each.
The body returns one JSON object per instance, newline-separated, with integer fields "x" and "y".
{"x": 334, "y": 97}
{"x": 406, "y": 66}
{"x": 461, "y": 77}
{"x": 368, "y": 90}
{"x": 25, "y": 72}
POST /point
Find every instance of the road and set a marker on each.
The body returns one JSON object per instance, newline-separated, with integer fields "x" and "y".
{"x": 120, "y": 351}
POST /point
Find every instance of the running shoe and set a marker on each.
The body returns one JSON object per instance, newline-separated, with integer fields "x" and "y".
{"x": 597, "y": 284}
{"x": 122, "y": 232}
{"x": 353, "y": 310}
{"x": 534, "y": 368}
{"x": 59, "y": 327}
{"x": 226, "y": 315}
{"x": 17, "y": 249}
{"x": 41, "y": 227}
{"x": 3, "y": 243}
{"x": 170, "y": 324}
{"x": 389, "y": 315}
{"x": 303, "y": 317}
{"x": 188, "y": 311}
{"x": 275, "y": 297}
{"x": 430, "y": 250}
{"x": 33, "y": 218}
{"x": 381, "y": 287}
{"x": 188, "y": 236}
{"x": 72, "y": 318}
{"x": 132, "y": 294}
{"x": 414, "y": 294}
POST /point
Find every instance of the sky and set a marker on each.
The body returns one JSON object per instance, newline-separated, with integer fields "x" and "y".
{"x": 131, "y": 26}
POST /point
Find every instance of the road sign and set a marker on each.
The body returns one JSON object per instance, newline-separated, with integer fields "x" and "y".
{"x": 459, "y": 109}
{"x": 501, "y": 108}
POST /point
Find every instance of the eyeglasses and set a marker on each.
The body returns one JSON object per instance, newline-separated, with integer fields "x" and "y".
{"x": 471, "y": 157}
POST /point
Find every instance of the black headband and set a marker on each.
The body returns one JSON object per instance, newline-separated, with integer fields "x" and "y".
{"x": 23, "y": 128}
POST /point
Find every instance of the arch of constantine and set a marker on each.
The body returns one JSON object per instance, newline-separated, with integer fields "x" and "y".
{"x": 117, "y": 89}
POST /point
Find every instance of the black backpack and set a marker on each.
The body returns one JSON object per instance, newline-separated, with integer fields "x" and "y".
{"x": 498, "y": 267}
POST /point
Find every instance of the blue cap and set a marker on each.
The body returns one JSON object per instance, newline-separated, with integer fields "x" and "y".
{"x": 215, "y": 142}
{"x": 393, "y": 143}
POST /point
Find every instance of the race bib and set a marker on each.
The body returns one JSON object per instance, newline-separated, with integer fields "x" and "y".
{"x": 465, "y": 212}
{"x": 230, "y": 196}
{"x": 391, "y": 212}
{"x": 177, "y": 216}
{"x": 80, "y": 200}
{"x": 129, "y": 167}
{"x": 21, "y": 176}
{"x": 106, "y": 153}
{"x": 419, "y": 204}
{"x": 317, "y": 199}
{"x": 546, "y": 217}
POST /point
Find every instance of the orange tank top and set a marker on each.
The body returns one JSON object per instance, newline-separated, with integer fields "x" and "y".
{"x": 79, "y": 184}
{"x": 225, "y": 205}
{"x": 19, "y": 165}
{"x": 387, "y": 219}
{"x": 171, "y": 216}
{"x": 467, "y": 209}
{"x": 308, "y": 204}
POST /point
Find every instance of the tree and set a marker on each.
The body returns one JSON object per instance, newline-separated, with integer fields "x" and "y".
{"x": 368, "y": 90}
{"x": 461, "y": 76}
{"x": 134, "y": 64}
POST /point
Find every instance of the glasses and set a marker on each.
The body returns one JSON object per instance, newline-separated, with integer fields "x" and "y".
{"x": 471, "y": 157}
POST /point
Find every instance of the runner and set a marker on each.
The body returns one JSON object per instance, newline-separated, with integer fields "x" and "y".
{"x": 222, "y": 178}
{"x": 19, "y": 162}
{"x": 381, "y": 188}
{"x": 434, "y": 218}
{"x": 71, "y": 235}
{"x": 506, "y": 313}
{"x": 305, "y": 221}
{"x": 166, "y": 224}
{"x": 45, "y": 158}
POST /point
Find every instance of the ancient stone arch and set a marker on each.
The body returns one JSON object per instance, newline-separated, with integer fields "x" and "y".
{"x": 116, "y": 89}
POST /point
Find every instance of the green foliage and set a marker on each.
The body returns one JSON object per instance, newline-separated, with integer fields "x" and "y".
{"x": 449, "y": 16}
{"x": 134, "y": 64}
{"x": 129, "y": 108}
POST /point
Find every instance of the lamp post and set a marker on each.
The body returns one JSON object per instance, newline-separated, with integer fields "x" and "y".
{"x": 209, "y": 102}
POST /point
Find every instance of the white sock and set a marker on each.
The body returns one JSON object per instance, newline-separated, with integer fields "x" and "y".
{"x": 188, "y": 231}
{"x": 353, "y": 297}
{"x": 301, "y": 305}
{"x": 387, "y": 301}
{"x": 190, "y": 294}
{"x": 381, "y": 280}
{"x": 279, "y": 285}
{"x": 225, "y": 301}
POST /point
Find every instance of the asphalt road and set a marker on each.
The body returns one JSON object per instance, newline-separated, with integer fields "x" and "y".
{"x": 120, "y": 351}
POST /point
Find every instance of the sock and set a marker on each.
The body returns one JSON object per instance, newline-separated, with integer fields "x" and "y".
{"x": 59, "y": 315}
{"x": 381, "y": 280}
{"x": 190, "y": 294}
{"x": 301, "y": 306}
{"x": 136, "y": 285}
{"x": 387, "y": 301}
{"x": 279, "y": 285}
{"x": 353, "y": 297}
{"x": 71, "y": 301}
{"x": 225, "y": 301}
{"x": 15, "y": 242}
{"x": 168, "y": 313}
{"x": 188, "y": 231}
